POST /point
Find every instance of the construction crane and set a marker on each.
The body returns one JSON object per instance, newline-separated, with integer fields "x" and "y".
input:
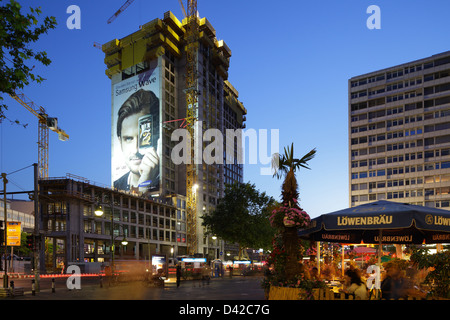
{"x": 97, "y": 45}
{"x": 129, "y": 2}
{"x": 122, "y": 8}
{"x": 191, "y": 90}
{"x": 45, "y": 123}
{"x": 182, "y": 8}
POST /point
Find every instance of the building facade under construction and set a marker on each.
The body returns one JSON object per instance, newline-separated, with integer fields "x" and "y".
{"x": 154, "y": 59}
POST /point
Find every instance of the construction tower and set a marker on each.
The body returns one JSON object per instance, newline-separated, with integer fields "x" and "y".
{"x": 186, "y": 67}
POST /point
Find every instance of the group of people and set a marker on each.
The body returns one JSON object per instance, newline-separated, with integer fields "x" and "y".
{"x": 395, "y": 283}
{"x": 205, "y": 273}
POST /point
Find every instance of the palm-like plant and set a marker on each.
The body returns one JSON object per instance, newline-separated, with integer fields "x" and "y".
{"x": 286, "y": 165}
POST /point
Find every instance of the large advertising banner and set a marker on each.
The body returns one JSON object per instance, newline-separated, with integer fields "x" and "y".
{"x": 136, "y": 133}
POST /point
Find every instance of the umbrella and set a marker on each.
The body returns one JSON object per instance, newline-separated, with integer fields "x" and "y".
{"x": 364, "y": 250}
{"x": 381, "y": 221}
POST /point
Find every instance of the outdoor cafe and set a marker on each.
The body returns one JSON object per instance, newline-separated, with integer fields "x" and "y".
{"x": 377, "y": 224}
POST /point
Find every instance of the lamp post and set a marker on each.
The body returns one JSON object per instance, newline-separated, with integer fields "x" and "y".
{"x": 99, "y": 212}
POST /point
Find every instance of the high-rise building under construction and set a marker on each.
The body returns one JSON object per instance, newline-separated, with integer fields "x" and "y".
{"x": 147, "y": 70}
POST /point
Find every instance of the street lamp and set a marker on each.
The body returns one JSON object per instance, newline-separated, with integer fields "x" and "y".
{"x": 99, "y": 212}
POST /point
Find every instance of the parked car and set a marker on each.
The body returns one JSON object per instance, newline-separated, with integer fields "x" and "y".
{"x": 15, "y": 257}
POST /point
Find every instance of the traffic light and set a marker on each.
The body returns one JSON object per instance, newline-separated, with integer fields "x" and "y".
{"x": 30, "y": 241}
{"x": 2, "y": 236}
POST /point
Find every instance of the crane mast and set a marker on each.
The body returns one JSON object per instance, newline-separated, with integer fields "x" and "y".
{"x": 191, "y": 116}
{"x": 45, "y": 123}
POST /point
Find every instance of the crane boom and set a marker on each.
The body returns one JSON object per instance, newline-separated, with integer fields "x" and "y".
{"x": 122, "y": 8}
{"x": 182, "y": 8}
{"x": 45, "y": 123}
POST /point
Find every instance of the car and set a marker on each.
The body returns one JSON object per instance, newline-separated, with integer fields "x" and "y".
{"x": 15, "y": 257}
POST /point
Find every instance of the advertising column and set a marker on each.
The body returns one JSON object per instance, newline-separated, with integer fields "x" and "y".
{"x": 136, "y": 133}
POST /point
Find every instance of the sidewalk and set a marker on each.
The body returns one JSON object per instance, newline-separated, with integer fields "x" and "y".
{"x": 236, "y": 288}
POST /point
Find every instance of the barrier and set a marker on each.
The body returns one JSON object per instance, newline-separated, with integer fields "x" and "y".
{"x": 44, "y": 276}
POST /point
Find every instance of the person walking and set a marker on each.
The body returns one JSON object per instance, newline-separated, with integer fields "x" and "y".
{"x": 206, "y": 274}
{"x": 178, "y": 274}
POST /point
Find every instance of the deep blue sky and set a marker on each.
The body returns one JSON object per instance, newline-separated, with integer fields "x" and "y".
{"x": 291, "y": 61}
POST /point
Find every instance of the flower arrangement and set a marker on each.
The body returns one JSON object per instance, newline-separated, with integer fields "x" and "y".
{"x": 289, "y": 216}
{"x": 300, "y": 281}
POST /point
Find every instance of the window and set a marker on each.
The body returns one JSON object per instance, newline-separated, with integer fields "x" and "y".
{"x": 381, "y": 173}
{"x": 445, "y": 165}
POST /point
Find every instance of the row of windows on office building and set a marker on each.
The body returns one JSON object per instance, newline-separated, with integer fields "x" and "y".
{"x": 388, "y": 147}
{"x": 404, "y": 157}
{"x": 388, "y": 124}
{"x": 407, "y": 196}
{"x": 441, "y": 102}
{"x": 407, "y": 84}
{"x": 407, "y": 70}
{"x": 392, "y": 135}
{"x": 398, "y": 109}
{"x": 402, "y": 133}
{"x": 428, "y": 142}
{"x": 387, "y": 88}
{"x": 400, "y": 170}
{"x": 381, "y": 184}
{"x": 140, "y": 232}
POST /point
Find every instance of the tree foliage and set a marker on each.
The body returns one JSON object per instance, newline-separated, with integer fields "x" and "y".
{"x": 439, "y": 274}
{"x": 242, "y": 216}
{"x": 17, "y": 32}
{"x": 286, "y": 165}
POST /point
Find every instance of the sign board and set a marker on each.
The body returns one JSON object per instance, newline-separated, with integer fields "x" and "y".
{"x": 13, "y": 231}
{"x": 159, "y": 262}
{"x": 194, "y": 260}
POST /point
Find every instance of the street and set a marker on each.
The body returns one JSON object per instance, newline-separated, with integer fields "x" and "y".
{"x": 236, "y": 288}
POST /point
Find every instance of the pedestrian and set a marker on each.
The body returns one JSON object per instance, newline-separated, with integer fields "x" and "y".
{"x": 315, "y": 274}
{"x": 178, "y": 274}
{"x": 206, "y": 274}
{"x": 392, "y": 285}
{"x": 108, "y": 275}
{"x": 355, "y": 285}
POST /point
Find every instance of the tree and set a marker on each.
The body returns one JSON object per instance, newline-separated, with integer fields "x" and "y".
{"x": 287, "y": 241}
{"x": 438, "y": 265}
{"x": 241, "y": 216}
{"x": 17, "y": 31}
{"x": 286, "y": 165}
